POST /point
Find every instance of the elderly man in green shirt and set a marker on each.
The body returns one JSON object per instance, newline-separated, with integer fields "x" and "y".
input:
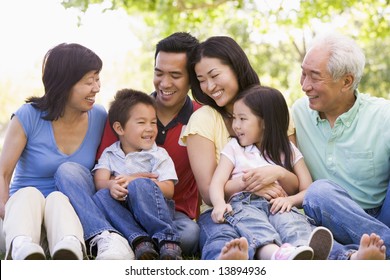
{"x": 344, "y": 136}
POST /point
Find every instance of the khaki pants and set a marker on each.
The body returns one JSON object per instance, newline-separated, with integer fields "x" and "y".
{"x": 46, "y": 220}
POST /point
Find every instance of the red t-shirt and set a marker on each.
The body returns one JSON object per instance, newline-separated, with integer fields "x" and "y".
{"x": 186, "y": 191}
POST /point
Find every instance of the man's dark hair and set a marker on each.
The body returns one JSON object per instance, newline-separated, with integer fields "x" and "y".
{"x": 178, "y": 42}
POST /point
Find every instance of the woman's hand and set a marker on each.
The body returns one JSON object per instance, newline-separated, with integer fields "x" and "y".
{"x": 257, "y": 178}
{"x": 271, "y": 191}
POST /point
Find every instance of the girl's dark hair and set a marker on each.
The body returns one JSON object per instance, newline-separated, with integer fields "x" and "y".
{"x": 230, "y": 53}
{"x": 270, "y": 105}
{"x": 123, "y": 103}
{"x": 63, "y": 66}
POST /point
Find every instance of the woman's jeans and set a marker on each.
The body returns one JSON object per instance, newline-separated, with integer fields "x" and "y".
{"x": 144, "y": 213}
{"x": 76, "y": 182}
{"x": 331, "y": 206}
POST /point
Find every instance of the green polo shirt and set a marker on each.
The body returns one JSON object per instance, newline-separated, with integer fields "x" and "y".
{"x": 355, "y": 153}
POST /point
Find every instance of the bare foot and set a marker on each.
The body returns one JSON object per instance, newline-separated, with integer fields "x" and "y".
{"x": 371, "y": 248}
{"x": 237, "y": 249}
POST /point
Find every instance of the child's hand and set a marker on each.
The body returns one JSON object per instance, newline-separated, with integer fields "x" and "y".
{"x": 218, "y": 211}
{"x": 118, "y": 191}
{"x": 281, "y": 205}
{"x": 123, "y": 180}
{"x": 271, "y": 191}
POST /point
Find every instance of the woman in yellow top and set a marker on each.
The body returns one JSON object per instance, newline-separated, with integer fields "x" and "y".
{"x": 219, "y": 71}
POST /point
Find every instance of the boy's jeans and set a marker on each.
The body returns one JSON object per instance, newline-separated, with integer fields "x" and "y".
{"x": 144, "y": 213}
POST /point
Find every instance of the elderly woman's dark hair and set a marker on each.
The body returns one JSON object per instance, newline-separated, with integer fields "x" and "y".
{"x": 63, "y": 66}
{"x": 229, "y": 53}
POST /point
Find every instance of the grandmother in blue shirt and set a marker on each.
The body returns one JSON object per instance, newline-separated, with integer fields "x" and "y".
{"x": 64, "y": 126}
{"x": 344, "y": 136}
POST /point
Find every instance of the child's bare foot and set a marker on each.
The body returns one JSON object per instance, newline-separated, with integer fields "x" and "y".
{"x": 237, "y": 249}
{"x": 371, "y": 248}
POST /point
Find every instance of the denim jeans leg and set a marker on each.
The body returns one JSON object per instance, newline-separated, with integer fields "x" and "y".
{"x": 118, "y": 215}
{"x": 293, "y": 227}
{"x": 75, "y": 181}
{"x": 213, "y": 237}
{"x": 188, "y": 230}
{"x": 384, "y": 214}
{"x": 330, "y": 205}
{"x": 149, "y": 207}
{"x": 250, "y": 219}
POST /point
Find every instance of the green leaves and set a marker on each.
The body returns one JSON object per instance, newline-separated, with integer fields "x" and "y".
{"x": 274, "y": 33}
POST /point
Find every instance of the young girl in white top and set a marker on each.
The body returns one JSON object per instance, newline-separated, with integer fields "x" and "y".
{"x": 276, "y": 228}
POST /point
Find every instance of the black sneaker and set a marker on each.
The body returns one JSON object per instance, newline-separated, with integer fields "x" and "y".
{"x": 145, "y": 251}
{"x": 170, "y": 251}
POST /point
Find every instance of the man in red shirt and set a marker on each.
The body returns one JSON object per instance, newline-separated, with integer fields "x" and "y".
{"x": 174, "y": 108}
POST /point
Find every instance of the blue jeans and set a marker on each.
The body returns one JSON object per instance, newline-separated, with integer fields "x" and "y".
{"x": 213, "y": 237}
{"x": 253, "y": 220}
{"x": 331, "y": 206}
{"x": 145, "y": 213}
{"x": 76, "y": 182}
{"x": 188, "y": 230}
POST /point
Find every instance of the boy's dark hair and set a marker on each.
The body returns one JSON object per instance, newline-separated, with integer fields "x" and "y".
{"x": 178, "y": 42}
{"x": 270, "y": 105}
{"x": 63, "y": 66}
{"x": 229, "y": 53}
{"x": 123, "y": 103}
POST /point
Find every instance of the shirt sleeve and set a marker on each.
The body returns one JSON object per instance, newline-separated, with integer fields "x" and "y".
{"x": 104, "y": 162}
{"x": 297, "y": 155}
{"x": 229, "y": 150}
{"x": 164, "y": 167}
{"x": 201, "y": 122}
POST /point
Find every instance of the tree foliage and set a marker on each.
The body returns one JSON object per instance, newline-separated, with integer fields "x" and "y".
{"x": 274, "y": 33}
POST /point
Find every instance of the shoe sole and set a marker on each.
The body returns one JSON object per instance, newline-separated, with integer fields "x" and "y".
{"x": 169, "y": 257}
{"x": 321, "y": 241}
{"x": 35, "y": 256}
{"x": 128, "y": 256}
{"x": 64, "y": 254}
{"x": 148, "y": 256}
{"x": 302, "y": 253}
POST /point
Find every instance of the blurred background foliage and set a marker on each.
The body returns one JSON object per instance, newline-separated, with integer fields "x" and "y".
{"x": 274, "y": 34}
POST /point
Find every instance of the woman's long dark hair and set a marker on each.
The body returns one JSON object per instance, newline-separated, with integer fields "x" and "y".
{"x": 270, "y": 105}
{"x": 63, "y": 66}
{"x": 230, "y": 53}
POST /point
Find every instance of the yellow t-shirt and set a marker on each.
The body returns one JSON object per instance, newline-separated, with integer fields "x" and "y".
{"x": 207, "y": 122}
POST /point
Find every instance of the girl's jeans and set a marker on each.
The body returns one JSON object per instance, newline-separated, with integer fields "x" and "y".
{"x": 251, "y": 219}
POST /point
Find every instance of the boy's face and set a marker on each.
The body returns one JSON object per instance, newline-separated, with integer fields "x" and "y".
{"x": 140, "y": 130}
